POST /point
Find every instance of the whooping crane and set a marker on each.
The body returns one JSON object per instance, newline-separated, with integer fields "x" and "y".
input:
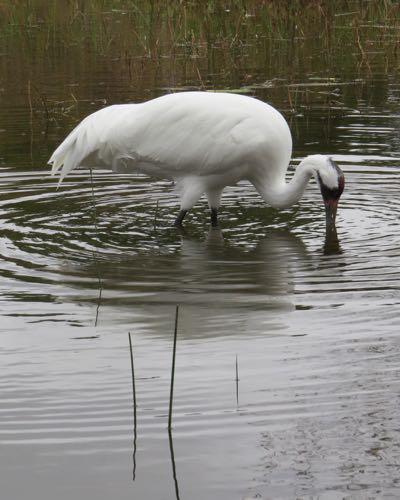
{"x": 203, "y": 141}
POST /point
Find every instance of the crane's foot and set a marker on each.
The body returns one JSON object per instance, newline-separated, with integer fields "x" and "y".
{"x": 180, "y": 217}
{"x": 214, "y": 217}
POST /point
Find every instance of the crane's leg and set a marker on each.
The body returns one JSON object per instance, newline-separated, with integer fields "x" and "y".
{"x": 214, "y": 201}
{"x": 180, "y": 217}
{"x": 214, "y": 217}
{"x": 190, "y": 191}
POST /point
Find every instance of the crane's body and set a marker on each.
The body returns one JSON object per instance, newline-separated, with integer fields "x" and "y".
{"x": 204, "y": 141}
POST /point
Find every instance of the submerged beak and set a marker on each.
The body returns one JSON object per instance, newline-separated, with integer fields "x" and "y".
{"x": 330, "y": 211}
{"x": 332, "y": 245}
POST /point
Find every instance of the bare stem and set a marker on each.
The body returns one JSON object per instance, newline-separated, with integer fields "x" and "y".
{"x": 171, "y": 395}
{"x": 134, "y": 407}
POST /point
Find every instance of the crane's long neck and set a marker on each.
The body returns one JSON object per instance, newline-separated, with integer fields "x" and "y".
{"x": 285, "y": 194}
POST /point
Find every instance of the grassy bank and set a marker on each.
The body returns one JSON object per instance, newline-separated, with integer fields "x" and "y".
{"x": 344, "y": 33}
{"x": 63, "y": 59}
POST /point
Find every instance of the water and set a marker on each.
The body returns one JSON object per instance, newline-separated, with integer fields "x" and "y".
{"x": 314, "y": 329}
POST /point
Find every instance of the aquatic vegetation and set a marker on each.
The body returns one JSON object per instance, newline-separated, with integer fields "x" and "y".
{"x": 63, "y": 60}
{"x": 202, "y": 40}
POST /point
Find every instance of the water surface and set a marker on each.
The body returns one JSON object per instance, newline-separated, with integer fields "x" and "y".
{"x": 314, "y": 329}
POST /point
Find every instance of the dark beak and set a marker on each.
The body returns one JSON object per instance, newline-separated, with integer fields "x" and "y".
{"x": 332, "y": 245}
{"x": 330, "y": 211}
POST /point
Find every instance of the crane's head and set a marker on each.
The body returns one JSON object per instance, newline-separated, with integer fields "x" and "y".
{"x": 331, "y": 183}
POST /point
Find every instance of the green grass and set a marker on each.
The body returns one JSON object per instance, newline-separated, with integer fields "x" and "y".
{"x": 192, "y": 29}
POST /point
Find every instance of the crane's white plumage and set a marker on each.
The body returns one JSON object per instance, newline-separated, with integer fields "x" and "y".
{"x": 204, "y": 141}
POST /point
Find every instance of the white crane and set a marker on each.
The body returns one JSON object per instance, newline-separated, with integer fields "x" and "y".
{"x": 204, "y": 141}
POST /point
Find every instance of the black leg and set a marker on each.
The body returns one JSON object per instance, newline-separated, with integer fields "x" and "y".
{"x": 214, "y": 217}
{"x": 180, "y": 217}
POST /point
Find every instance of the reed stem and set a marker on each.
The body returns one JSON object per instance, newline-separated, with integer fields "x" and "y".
{"x": 237, "y": 381}
{"x": 155, "y": 217}
{"x": 95, "y": 251}
{"x": 171, "y": 394}
{"x": 134, "y": 407}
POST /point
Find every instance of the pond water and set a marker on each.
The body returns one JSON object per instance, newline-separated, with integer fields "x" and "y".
{"x": 309, "y": 331}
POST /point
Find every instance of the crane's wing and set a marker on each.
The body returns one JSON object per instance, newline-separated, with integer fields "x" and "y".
{"x": 197, "y": 133}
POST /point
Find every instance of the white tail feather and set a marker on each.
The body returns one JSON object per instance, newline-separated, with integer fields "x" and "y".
{"x": 91, "y": 142}
{"x": 72, "y": 151}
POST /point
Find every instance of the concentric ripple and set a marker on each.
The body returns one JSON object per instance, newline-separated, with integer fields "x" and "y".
{"x": 311, "y": 330}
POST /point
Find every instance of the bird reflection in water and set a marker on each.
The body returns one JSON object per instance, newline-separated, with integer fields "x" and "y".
{"x": 223, "y": 287}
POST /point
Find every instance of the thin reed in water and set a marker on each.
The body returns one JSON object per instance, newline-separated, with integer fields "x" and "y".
{"x": 171, "y": 394}
{"x": 94, "y": 252}
{"x": 237, "y": 380}
{"x": 134, "y": 407}
{"x": 155, "y": 217}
